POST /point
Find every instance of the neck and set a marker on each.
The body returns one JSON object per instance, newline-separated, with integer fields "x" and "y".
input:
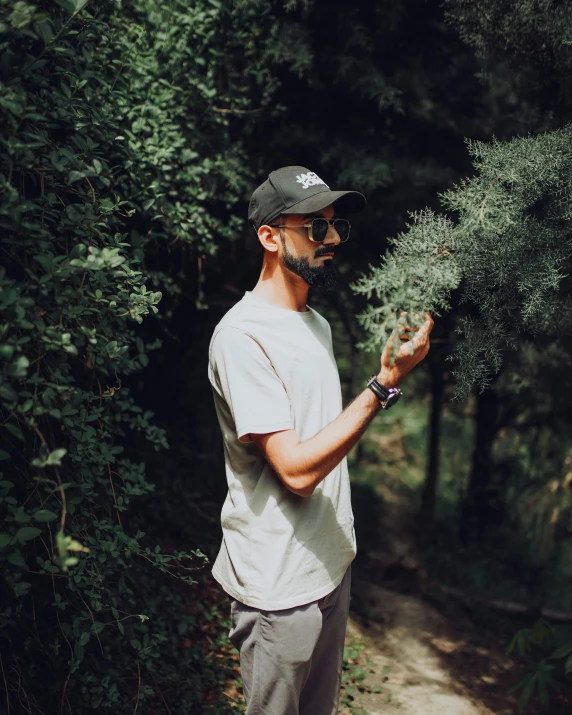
{"x": 281, "y": 287}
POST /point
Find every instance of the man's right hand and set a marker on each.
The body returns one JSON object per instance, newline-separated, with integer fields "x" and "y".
{"x": 398, "y": 358}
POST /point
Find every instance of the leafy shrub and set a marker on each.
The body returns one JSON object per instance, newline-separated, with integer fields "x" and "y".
{"x": 547, "y": 649}
{"x": 116, "y": 140}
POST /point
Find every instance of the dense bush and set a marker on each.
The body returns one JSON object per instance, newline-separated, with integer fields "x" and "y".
{"x": 116, "y": 138}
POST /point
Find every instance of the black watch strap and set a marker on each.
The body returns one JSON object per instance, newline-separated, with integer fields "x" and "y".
{"x": 388, "y": 396}
{"x": 378, "y": 389}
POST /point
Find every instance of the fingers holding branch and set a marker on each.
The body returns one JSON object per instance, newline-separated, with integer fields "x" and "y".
{"x": 415, "y": 345}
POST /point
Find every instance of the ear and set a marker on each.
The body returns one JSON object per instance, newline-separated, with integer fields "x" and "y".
{"x": 268, "y": 238}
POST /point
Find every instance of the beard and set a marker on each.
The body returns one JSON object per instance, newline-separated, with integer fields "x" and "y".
{"x": 323, "y": 277}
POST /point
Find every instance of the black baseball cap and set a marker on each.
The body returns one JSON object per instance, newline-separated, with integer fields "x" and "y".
{"x": 296, "y": 190}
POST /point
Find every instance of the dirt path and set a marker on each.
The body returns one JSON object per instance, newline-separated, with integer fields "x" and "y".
{"x": 435, "y": 668}
{"x": 439, "y": 662}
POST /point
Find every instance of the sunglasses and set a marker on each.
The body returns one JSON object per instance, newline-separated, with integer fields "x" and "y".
{"x": 319, "y": 227}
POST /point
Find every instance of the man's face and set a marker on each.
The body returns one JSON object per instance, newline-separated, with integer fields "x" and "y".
{"x": 306, "y": 258}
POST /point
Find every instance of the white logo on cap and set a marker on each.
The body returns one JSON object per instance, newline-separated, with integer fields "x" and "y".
{"x": 310, "y": 179}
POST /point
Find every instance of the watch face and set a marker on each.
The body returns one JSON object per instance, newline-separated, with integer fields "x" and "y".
{"x": 392, "y": 399}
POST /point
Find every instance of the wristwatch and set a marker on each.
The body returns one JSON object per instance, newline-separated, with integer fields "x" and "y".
{"x": 388, "y": 396}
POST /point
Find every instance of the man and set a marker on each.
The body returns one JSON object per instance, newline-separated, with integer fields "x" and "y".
{"x": 288, "y": 534}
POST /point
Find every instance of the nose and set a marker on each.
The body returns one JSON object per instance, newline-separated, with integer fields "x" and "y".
{"x": 332, "y": 237}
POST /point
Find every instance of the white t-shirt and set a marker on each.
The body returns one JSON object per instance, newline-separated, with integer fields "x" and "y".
{"x": 274, "y": 369}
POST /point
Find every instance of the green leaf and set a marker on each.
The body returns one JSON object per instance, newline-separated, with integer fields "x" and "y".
{"x": 13, "y": 429}
{"x": 16, "y": 559}
{"x": 68, "y": 5}
{"x": 5, "y": 539}
{"x": 53, "y": 459}
{"x": 8, "y": 393}
{"x": 21, "y": 15}
{"x": 543, "y": 690}
{"x": 28, "y": 404}
{"x": 44, "y": 30}
{"x": 21, "y": 588}
{"x": 78, "y": 650}
{"x": 75, "y": 175}
{"x": 563, "y": 651}
{"x": 26, "y": 533}
{"x": 527, "y": 691}
{"x": 45, "y": 515}
{"x": 4, "y": 455}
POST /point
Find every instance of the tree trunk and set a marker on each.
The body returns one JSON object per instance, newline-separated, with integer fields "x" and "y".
{"x": 429, "y": 496}
{"x": 481, "y": 506}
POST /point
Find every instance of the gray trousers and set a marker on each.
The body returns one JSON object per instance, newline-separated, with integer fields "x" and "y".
{"x": 291, "y": 660}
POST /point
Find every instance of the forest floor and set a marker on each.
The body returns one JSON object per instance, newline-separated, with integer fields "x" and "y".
{"x": 422, "y": 657}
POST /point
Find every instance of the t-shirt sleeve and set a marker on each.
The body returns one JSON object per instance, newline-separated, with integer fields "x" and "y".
{"x": 243, "y": 375}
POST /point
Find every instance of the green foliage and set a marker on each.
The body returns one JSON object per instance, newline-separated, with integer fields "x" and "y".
{"x": 554, "y": 671}
{"x": 532, "y": 36}
{"x": 509, "y": 252}
{"x": 355, "y": 670}
{"x": 425, "y": 257}
{"x": 116, "y": 140}
{"x": 516, "y": 248}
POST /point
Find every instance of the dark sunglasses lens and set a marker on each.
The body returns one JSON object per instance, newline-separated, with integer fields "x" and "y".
{"x": 342, "y": 226}
{"x": 319, "y": 229}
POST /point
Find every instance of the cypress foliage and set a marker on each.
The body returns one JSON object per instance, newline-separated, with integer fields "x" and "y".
{"x": 418, "y": 275}
{"x": 509, "y": 253}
